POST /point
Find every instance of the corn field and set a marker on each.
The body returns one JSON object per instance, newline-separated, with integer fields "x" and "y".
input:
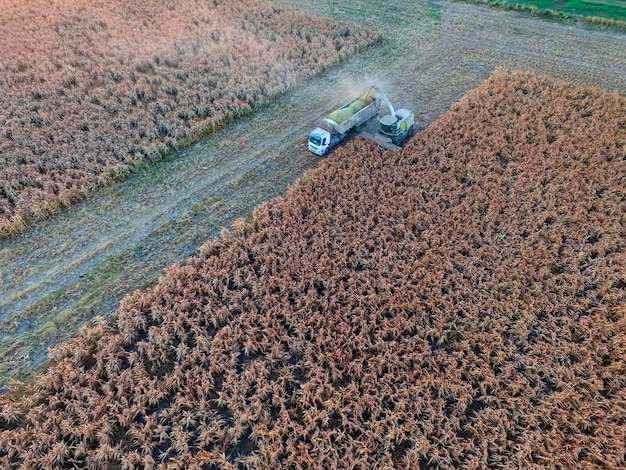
{"x": 89, "y": 91}
{"x": 460, "y": 304}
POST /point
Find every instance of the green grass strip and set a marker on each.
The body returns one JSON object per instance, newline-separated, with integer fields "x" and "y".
{"x": 606, "y": 12}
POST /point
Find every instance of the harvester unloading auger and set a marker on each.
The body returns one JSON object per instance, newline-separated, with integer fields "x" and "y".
{"x": 393, "y": 129}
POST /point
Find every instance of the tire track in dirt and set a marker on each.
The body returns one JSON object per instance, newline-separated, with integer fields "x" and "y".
{"x": 67, "y": 270}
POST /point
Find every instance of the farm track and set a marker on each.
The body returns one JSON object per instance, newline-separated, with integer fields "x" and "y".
{"x": 63, "y": 272}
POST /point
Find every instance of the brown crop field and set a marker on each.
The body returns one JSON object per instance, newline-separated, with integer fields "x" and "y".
{"x": 91, "y": 89}
{"x": 460, "y": 304}
{"x": 68, "y": 269}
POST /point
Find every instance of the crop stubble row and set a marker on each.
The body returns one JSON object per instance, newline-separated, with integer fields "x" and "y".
{"x": 460, "y": 304}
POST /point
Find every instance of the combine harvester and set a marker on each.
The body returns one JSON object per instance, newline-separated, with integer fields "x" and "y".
{"x": 394, "y": 128}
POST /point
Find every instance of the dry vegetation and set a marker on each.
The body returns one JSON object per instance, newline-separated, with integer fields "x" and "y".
{"x": 460, "y": 304}
{"x": 91, "y": 87}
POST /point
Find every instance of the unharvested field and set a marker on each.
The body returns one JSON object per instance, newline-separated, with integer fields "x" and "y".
{"x": 461, "y": 304}
{"x": 91, "y": 88}
{"x": 79, "y": 264}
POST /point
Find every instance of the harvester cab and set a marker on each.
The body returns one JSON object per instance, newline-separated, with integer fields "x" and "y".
{"x": 396, "y": 126}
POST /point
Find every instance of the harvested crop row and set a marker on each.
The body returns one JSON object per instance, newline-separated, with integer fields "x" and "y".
{"x": 91, "y": 88}
{"x": 460, "y": 304}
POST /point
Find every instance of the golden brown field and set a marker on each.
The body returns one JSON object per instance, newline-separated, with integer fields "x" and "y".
{"x": 89, "y": 89}
{"x": 461, "y": 304}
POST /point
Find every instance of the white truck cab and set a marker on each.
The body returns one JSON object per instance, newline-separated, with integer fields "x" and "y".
{"x": 319, "y": 141}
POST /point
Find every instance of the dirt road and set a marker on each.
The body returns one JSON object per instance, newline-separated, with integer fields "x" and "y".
{"x": 65, "y": 271}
